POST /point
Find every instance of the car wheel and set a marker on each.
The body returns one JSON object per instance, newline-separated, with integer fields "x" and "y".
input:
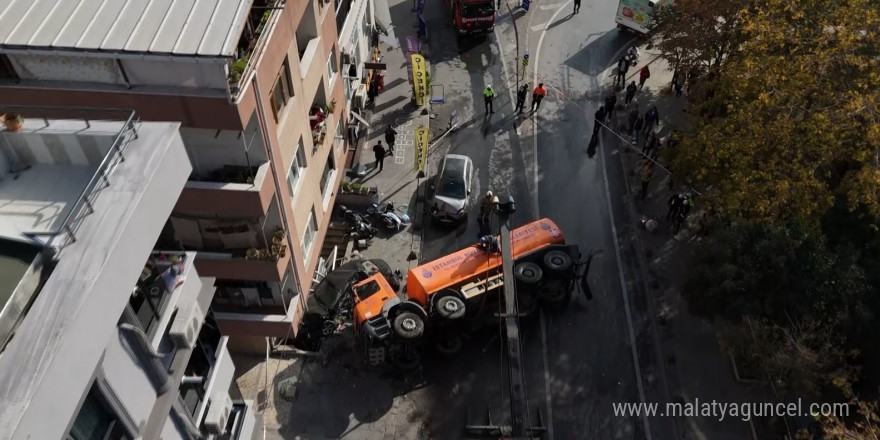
{"x": 528, "y": 273}
{"x": 557, "y": 261}
{"x": 449, "y": 306}
{"x": 408, "y": 325}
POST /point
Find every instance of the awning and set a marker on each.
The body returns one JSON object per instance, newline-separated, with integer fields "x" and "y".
{"x": 382, "y": 16}
{"x": 360, "y": 118}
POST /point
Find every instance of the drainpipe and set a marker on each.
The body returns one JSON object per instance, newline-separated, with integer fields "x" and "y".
{"x": 261, "y": 117}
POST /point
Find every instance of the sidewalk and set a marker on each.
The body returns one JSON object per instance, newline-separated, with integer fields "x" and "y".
{"x": 695, "y": 367}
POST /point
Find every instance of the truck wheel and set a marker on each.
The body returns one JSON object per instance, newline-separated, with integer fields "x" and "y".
{"x": 449, "y": 344}
{"x": 556, "y": 294}
{"x": 408, "y": 325}
{"x": 529, "y": 273}
{"x": 557, "y": 261}
{"x": 449, "y": 306}
{"x": 408, "y": 361}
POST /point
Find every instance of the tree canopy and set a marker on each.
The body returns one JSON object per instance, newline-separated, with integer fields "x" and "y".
{"x": 793, "y": 120}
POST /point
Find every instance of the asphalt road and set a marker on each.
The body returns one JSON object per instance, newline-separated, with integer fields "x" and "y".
{"x": 582, "y": 360}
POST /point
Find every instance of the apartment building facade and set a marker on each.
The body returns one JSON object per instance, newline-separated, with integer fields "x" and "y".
{"x": 264, "y": 104}
{"x": 102, "y": 336}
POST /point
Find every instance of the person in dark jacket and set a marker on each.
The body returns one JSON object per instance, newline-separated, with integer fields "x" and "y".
{"x": 631, "y": 92}
{"x": 390, "y": 136}
{"x": 640, "y": 122}
{"x": 610, "y": 102}
{"x": 379, "y": 152}
{"x": 521, "y": 98}
{"x": 633, "y": 117}
{"x": 652, "y": 119}
{"x": 598, "y": 118}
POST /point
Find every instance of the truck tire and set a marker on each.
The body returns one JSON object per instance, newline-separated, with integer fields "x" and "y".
{"x": 448, "y": 344}
{"x": 556, "y": 294}
{"x": 557, "y": 261}
{"x": 528, "y": 273}
{"x": 408, "y": 361}
{"x": 408, "y": 325}
{"x": 449, "y": 306}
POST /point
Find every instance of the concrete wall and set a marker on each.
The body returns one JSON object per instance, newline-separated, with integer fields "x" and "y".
{"x": 209, "y": 150}
{"x": 128, "y": 379}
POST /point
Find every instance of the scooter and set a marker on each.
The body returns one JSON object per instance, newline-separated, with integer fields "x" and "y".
{"x": 389, "y": 218}
{"x": 361, "y": 227}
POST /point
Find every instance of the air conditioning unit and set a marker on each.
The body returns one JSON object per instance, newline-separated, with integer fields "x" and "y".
{"x": 360, "y": 97}
{"x": 185, "y": 328}
{"x": 218, "y": 414}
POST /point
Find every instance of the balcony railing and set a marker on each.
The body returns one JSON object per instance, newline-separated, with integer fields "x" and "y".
{"x": 84, "y": 204}
{"x": 261, "y": 22}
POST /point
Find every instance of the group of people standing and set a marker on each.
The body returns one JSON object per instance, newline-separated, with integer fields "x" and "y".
{"x": 538, "y": 95}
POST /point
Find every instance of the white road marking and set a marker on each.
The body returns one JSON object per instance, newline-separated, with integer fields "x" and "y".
{"x": 623, "y": 289}
{"x": 547, "y": 376}
{"x": 541, "y": 27}
{"x": 550, "y": 7}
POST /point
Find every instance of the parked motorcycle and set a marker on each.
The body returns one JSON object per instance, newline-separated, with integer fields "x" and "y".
{"x": 388, "y": 217}
{"x": 361, "y": 227}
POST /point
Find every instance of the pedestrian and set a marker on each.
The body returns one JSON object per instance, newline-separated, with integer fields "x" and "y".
{"x": 631, "y": 92}
{"x": 598, "y": 118}
{"x": 647, "y": 174}
{"x": 488, "y": 96}
{"x": 652, "y": 119}
{"x": 487, "y": 204}
{"x": 622, "y": 68}
{"x": 633, "y": 54}
{"x": 577, "y": 6}
{"x": 651, "y": 144}
{"x": 610, "y": 103}
{"x": 644, "y": 74}
{"x": 677, "y": 82}
{"x": 633, "y": 117}
{"x": 681, "y": 215}
{"x": 537, "y": 96}
{"x": 674, "y": 203}
{"x": 594, "y": 142}
{"x": 521, "y": 98}
{"x": 637, "y": 128}
{"x": 379, "y": 152}
{"x": 390, "y": 136}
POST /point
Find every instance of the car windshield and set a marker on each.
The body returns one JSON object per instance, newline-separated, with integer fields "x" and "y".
{"x": 452, "y": 188}
{"x": 477, "y": 9}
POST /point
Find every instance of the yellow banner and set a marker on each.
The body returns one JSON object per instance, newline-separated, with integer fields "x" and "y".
{"x": 420, "y": 79}
{"x": 421, "y": 145}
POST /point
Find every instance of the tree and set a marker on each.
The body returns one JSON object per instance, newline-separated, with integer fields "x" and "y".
{"x": 795, "y": 117}
{"x": 783, "y": 274}
{"x": 862, "y": 426}
{"x": 697, "y": 34}
{"x": 800, "y": 355}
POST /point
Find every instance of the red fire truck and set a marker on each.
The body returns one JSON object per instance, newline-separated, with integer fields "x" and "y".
{"x": 472, "y": 17}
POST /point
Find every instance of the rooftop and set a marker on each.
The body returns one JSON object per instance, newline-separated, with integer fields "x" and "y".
{"x": 178, "y": 27}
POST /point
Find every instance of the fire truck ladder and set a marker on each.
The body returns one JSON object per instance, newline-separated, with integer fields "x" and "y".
{"x": 522, "y": 426}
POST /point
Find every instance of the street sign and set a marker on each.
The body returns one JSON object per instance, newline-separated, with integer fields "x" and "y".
{"x": 421, "y": 145}
{"x": 525, "y": 5}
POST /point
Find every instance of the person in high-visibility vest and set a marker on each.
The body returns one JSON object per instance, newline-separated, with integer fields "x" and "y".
{"x": 488, "y": 96}
{"x": 537, "y": 95}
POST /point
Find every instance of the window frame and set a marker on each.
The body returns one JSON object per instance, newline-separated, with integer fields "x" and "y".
{"x": 311, "y": 233}
{"x": 332, "y": 72}
{"x": 282, "y": 89}
{"x": 118, "y": 428}
{"x": 298, "y": 159}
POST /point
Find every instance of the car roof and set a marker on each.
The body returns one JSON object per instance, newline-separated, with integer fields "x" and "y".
{"x": 453, "y": 165}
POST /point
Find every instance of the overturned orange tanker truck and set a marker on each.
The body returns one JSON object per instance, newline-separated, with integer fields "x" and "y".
{"x": 451, "y": 295}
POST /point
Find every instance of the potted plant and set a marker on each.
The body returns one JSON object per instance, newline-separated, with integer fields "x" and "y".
{"x": 252, "y": 254}
{"x": 278, "y": 239}
{"x": 13, "y": 121}
{"x": 331, "y": 107}
{"x": 237, "y": 68}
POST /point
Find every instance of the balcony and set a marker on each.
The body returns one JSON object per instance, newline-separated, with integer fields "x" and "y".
{"x": 230, "y": 191}
{"x": 321, "y": 119}
{"x": 252, "y": 264}
{"x": 260, "y": 22}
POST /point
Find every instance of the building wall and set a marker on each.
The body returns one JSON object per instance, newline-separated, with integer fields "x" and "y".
{"x": 128, "y": 378}
{"x": 292, "y": 128}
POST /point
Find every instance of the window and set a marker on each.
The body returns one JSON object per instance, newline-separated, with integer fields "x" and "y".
{"x": 308, "y": 238}
{"x": 331, "y": 66}
{"x": 282, "y": 91}
{"x": 297, "y": 165}
{"x": 327, "y": 176}
{"x": 149, "y": 300}
{"x": 340, "y": 135}
{"x": 96, "y": 421}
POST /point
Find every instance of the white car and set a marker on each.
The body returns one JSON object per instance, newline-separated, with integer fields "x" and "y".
{"x": 452, "y": 189}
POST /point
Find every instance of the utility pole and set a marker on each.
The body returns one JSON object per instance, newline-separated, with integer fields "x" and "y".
{"x": 516, "y": 33}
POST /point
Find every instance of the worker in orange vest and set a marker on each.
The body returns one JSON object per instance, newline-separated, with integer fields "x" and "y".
{"x": 537, "y": 95}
